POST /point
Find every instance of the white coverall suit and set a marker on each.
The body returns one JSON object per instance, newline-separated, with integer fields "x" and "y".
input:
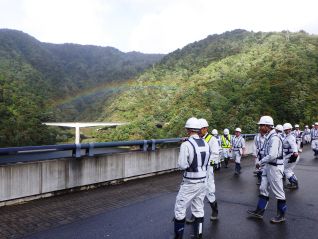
{"x": 214, "y": 145}
{"x": 290, "y": 147}
{"x": 238, "y": 143}
{"x": 274, "y": 166}
{"x": 314, "y": 140}
{"x": 193, "y": 158}
{"x": 298, "y": 135}
{"x": 307, "y": 137}
{"x": 272, "y": 177}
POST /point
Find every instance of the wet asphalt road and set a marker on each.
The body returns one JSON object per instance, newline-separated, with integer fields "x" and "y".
{"x": 150, "y": 216}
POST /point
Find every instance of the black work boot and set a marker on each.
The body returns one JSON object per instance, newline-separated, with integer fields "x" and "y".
{"x": 178, "y": 228}
{"x": 291, "y": 186}
{"x": 198, "y": 228}
{"x": 215, "y": 211}
{"x": 226, "y": 162}
{"x": 237, "y": 169}
{"x": 281, "y": 208}
{"x": 258, "y": 213}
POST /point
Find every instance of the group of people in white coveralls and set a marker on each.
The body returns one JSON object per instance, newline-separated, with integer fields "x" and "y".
{"x": 276, "y": 151}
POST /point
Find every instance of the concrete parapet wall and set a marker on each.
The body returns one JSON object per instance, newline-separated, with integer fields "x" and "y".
{"x": 24, "y": 181}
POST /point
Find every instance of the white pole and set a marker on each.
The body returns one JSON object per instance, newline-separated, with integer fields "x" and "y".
{"x": 77, "y": 135}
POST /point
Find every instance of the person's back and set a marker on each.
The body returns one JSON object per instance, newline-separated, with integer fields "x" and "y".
{"x": 226, "y": 146}
{"x": 193, "y": 159}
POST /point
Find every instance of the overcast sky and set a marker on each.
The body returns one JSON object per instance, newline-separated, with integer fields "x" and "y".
{"x": 152, "y": 26}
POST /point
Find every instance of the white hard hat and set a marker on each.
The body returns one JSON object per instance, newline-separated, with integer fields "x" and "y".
{"x": 296, "y": 125}
{"x": 192, "y": 123}
{"x": 306, "y": 126}
{"x": 238, "y": 130}
{"x": 267, "y": 120}
{"x": 203, "y": 123}
{"x": 226, "y": 131}
{"x": 279, "y": 127}
{"x": 316, "y": 123}
{"x": 214, "y": 132}
{"x": 287, "y": 126}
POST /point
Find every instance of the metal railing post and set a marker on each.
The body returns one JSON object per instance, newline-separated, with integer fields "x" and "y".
{"x": 77, "y": 151}
{"x": 145, "y": 146}
{"x": 90, "y": 150}
{"x": 153, "y": 144}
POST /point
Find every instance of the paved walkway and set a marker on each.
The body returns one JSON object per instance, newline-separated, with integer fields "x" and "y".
{"x": 143, "y": 208}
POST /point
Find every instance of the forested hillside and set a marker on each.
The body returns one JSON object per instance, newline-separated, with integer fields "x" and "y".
{"x": 50, "y": 82}
{"x": 230, "y": 79}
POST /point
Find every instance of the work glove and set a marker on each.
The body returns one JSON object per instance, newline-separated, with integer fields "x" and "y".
{"x": 260, "y": 164}
{"x": 293, "y": 158}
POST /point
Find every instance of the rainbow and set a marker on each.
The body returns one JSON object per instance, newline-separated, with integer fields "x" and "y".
{"x": 104, "y": 87}
{"x": 108, "y": 87}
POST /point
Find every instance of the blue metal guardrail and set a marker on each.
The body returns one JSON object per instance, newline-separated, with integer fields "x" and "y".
{"x": 89, "y": 147}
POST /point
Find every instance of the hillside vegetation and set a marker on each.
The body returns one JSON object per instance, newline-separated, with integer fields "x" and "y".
{"x": 42, "y": 82}
{"x": 230, "y": 79}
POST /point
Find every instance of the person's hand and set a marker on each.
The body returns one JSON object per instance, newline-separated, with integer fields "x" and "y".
{"x": 293, "y": 158}
{"x": 258, "y": 166}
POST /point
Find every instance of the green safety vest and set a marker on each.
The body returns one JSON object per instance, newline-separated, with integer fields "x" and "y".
{"x": 208, "y": 138}
{"x": 226, "y": 143}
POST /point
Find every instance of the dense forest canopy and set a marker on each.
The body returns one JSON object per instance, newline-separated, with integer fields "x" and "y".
{"x": 230, "y": 79}
{"x": 42, "y": 82}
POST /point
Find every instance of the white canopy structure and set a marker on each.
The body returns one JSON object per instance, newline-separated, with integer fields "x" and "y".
{"x": 78, "y": 125}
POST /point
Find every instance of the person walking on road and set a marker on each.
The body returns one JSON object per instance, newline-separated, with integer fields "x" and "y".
{"x": 193, "y": 158}
{"x": 238, "y": 149}
{"x": 307, "y": 135}
{"x": 314, "y": 139}
{"x": 273, "y": 164}
{"x": 299, "y": 137}
{"x": 217, "y": 160}
{"x": 226, "y": 140}
{"x": 215, "y": 154}
{"x": 214, "y": 146}
{"x": 291, "y": 156}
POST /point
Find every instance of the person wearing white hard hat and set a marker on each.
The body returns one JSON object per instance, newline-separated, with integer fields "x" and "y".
{"x": 298, "y": 134}
{"x": 291, "y": 156}
{"x": 214, "y": 146}
{"x": 214, "y": 158}
{"x": 258, "y": 153}
{"x": 314, "y": 139}
{"x": 226, "y": 146}
{"x": 307, "y": 138}
{"x": 193, "y": 159}
{"x": 272, "y": 173}
{"x": 217, "y": 160}
{"x": 280, "y": 131}
{"x": 238, "y": 150}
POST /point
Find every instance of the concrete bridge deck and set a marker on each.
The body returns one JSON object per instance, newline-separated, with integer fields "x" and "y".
{"x": 143, "y": 208}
